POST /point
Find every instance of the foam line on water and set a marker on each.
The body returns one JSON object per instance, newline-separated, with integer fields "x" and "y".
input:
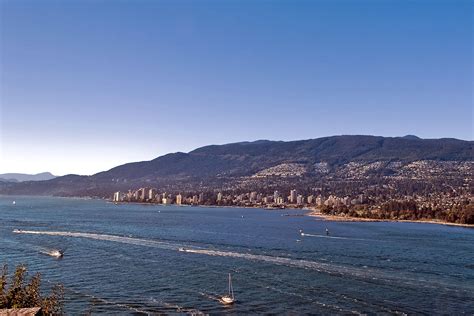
{"x": 331, "y": 237}
{"x": 298, "y": 263}
{"x": 114, "y": 238}
{"x": 363, "y": 273}
{"x": 305, "y": 264}
{"x": 210, "y": 296}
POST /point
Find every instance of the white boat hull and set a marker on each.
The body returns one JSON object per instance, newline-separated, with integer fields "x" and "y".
{"x": 55, "y": 254}
{"x": 227, "y": 300}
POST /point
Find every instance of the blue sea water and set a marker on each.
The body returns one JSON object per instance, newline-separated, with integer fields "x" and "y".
{"x": 129, "y": 259}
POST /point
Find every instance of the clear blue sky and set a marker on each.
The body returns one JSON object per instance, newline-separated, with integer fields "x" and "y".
{"x": 87, "y": 85}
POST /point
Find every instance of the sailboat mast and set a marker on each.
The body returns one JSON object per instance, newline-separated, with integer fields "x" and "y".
{"x": 231, "y": 288}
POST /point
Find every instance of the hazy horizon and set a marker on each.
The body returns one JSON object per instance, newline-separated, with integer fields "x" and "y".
{"x": 89, "y": 85}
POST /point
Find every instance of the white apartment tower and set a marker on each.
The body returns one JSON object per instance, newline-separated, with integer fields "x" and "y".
{"x": 293, "y": 195}
{"x": 117, "y": 197}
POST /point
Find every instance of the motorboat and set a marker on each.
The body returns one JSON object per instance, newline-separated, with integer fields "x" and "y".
{"x": 56, "y": 253}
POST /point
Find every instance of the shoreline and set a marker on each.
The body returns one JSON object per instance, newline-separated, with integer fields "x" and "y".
{"x": 337, "y": 218}
{"x": 267, "y": 208}
{"x": 311, "y": 212}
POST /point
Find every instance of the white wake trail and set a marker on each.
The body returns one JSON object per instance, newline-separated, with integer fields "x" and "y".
{"x": 330, "y": 237}
{"x": 114, "y": 238}
{"x": 302, "y": 263}
{"x": 323, "y": 236}
{"x": 362, "y": 273}
{"x": 305, "y": 264}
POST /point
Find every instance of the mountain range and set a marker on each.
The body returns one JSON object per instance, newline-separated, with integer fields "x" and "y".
{"x": 21, "y": 177}
{"x": 217, "y": 166}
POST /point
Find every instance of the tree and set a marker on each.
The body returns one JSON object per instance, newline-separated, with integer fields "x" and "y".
{"x": 18, "y": 293}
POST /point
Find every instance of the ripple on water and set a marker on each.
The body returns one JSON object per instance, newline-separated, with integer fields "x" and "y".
{"x": 127, "y": 260}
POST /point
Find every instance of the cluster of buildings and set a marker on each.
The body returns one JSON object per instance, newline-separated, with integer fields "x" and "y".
{"x": 150, "y": 195}
{"x": 453, "y": 206}
{"x": 254, "y": 198}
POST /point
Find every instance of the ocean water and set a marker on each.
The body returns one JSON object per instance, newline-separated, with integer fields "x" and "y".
{"x": 129, "y": 259}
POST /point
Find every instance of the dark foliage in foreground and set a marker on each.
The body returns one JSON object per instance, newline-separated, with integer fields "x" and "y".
{"x": 18, "y": 292}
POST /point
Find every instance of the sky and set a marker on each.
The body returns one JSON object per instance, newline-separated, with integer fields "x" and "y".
{"x": 88, "y": 85}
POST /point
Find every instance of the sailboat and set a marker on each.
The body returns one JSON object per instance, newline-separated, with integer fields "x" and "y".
{"x": 229, "y": 298}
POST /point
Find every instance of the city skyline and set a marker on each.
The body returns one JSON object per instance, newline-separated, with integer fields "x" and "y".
{"x": 87, "y": 86}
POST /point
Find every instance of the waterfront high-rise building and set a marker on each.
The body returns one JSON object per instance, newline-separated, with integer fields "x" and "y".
{"x": 300, "y": 200}
{"x": 151, "y": 194}
{"x": 179, "y": 198}
{"x": 136, "y": 195}
{"x": 276, "y": 195}
{"x": 293, "y": 195}
{"x": 143, "y": 193}
{"x": 129, "y": 195}
{"x": 219, "y": 197}
{"x": 117, "y": 197}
